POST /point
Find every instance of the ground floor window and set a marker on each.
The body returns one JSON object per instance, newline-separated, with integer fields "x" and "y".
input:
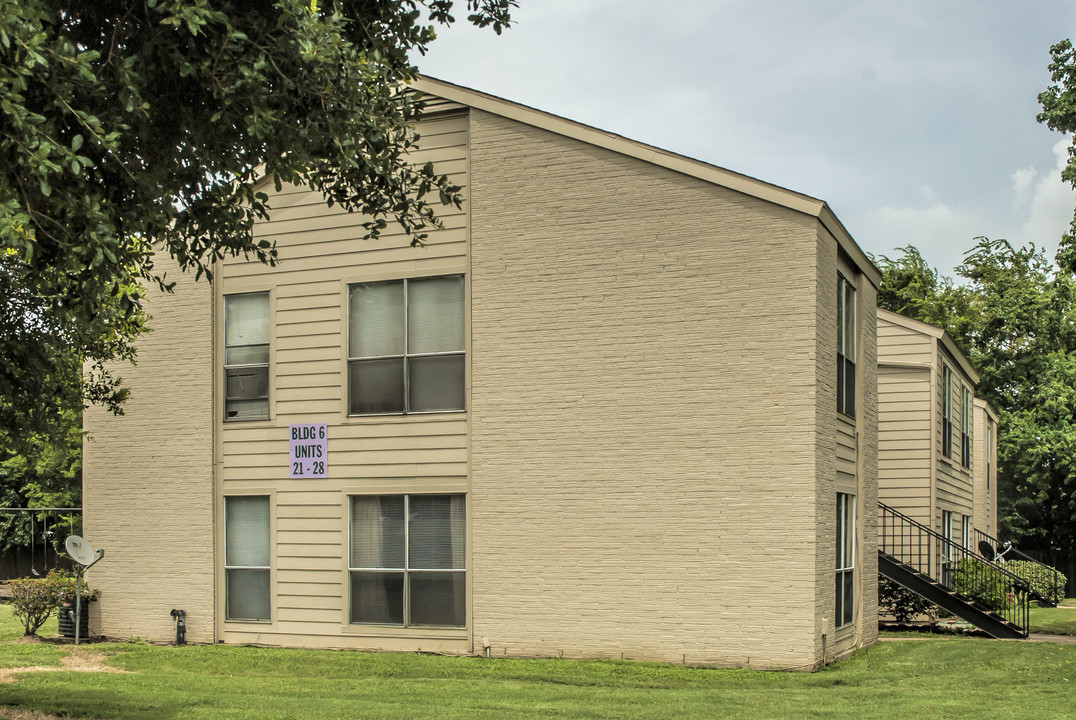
{"x": 246, "y": 557}
{"x": 846, "y": 556}
{"x": 408, "y": 560}
{"x": 965, "y": 531}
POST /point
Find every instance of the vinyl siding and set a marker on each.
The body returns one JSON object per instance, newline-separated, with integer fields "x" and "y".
{"x": 954, "y": 490}
{"x": 904, "y": 447}
{"x": 898, "y": 344}
{"x": 986, "y": 498}
{"x": 322, "y": 250}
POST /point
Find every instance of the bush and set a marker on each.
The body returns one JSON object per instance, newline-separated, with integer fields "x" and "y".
{"x": 981, "y": 583}
{"x": 904, "y": 605}
{"x": 34, "y": 599}
{"x": 1042, "y": 579}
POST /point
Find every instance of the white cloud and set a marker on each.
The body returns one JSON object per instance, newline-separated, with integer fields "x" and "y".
{"x": 1022, "y": 182}
{"x": 941, "y": 233}
{"x": 1046, "y": 203}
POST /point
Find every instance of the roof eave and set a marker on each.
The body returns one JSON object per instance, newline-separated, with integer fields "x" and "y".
{"x": 663, "y": 158}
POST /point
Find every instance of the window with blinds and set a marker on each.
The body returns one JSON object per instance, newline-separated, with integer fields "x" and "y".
{"x": 246, "y": 356}
{"x": 846, "y": 347}
{"x": 965, "y": 427}
{"x": 408, "y": 560}
{"x": 947, "y": 411}
{"x": 845, "y": 589}
{"x": 246, "y": 557}
{"x": 406, "y": 346}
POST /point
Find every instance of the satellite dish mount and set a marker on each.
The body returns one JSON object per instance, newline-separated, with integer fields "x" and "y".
{"x": 82, "y": 553}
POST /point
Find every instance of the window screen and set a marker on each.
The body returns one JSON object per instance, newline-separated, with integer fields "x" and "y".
{"x": 246, "y": 557}
{"x": 246, "y": 356}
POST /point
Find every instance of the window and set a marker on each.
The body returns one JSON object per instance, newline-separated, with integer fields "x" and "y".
{"x": 246, "y": 557}
{"x": 947, "y": 526}
{"x": 989, "y": 451}
{"x": 407, "y": 560}
{"x": 846, "y": 347}
{"x": 947, "y": 411}
{"x": 965, "y": 531}
{"x": 246, "y": 356}
{"x": 406, "y": 346}
{"x": 965, "y": 427}
{"x": 846, "y": 555}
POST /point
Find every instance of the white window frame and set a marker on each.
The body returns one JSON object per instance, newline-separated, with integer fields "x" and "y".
{"x": 406, "y": 571}
{"x": 847, "y": 346}
{"x": 844, "y": 577}
{"x": 247, "y": 366}
{"x": 989, "y": 451}
{"x": 406, "y": 355}
{"x": 965, "y": 427}
{"x": 266, "y": 569}
{"x": 947, "y": 411}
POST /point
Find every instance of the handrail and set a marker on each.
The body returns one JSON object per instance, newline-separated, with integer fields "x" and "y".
{"x": 1012, "y": 550}
{"x": 954, "y": 566}
{"x": 38, "y": 535}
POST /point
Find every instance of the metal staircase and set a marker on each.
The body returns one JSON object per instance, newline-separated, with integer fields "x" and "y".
{"x": 951, "y": 576}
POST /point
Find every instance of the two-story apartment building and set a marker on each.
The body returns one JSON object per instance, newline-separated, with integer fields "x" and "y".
{"x": 936, "y": 442}
{"x": 622, "y": 405}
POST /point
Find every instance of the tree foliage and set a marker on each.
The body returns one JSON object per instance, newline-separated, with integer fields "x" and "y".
{"x": 140, "y": 124}
{"x": 1058, "y": 103}
{"x": 1015, "y": 317}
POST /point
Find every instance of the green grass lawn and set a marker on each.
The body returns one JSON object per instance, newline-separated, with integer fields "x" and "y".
{"x": 921, "y": 677}
{"x": 1060, "y": 620}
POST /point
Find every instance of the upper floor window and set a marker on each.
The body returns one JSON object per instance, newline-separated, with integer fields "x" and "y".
{"x": 406, "y": 346}
{"x": 947, "y": 411}
{"x": 965, "y": 427}
{"x": 989, "y": 452}
{"x": 846, "y": 347}
{"x": 246, "y": 356}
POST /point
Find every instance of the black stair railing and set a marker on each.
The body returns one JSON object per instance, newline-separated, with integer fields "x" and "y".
{"x": 980, "y": 582}
{"x": 1007, "y": 551}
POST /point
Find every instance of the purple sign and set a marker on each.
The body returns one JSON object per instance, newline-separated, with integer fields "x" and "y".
{"x": 308, "y": 450}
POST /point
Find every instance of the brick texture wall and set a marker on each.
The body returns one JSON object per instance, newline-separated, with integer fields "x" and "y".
{"x": 148, "y": 477}
{"x": 644, "y": 430}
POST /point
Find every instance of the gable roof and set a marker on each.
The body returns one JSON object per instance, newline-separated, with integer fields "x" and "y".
{"x": 648, "y": 153}
{"x": 941, "y": 336}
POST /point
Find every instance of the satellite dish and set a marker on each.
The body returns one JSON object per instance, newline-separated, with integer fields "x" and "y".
{"x": 987, "y": 550}
{"x": 80, "y": 550}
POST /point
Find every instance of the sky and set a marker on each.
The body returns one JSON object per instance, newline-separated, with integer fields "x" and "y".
{"x": 913, "y": 119}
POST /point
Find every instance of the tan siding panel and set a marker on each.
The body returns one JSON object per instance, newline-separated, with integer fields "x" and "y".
{"x": 322, "y": 250}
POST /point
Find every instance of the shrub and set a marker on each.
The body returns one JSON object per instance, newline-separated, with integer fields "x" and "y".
{"x": 981, "y": 583}
{"x": 1042, "y": 579}
{"x": 34, "y": 599}
{"x": 904, "y": 605}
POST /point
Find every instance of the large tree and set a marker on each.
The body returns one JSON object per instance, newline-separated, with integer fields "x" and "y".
{"x": 1059, "y": 113}
{"x": 1014, "y": 315}
{"x": 135, "y": 125}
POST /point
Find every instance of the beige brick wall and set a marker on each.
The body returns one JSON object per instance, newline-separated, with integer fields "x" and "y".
{"x": 644, "y": 446}
{"x": 867, "y": 623}
{"x": 148, "y": 477}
